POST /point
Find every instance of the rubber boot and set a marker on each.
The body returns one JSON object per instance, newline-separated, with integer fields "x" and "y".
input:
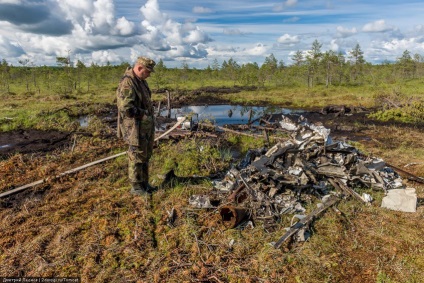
{"x": 139, "y": 189}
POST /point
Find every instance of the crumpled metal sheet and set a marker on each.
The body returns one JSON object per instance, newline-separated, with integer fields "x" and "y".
{"x": 401, "y": 200}
{"x": 280, "y": 180}
{"x": 200, "y": 201}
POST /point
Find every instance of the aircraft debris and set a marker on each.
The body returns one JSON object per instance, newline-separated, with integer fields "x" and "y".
{"x": 269, "y": 184}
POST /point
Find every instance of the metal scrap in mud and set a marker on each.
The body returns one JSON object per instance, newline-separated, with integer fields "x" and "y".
{"x": 269, "y": 184}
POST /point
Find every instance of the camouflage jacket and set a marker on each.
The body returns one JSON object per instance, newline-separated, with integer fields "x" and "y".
{"x": 135, "y": 109}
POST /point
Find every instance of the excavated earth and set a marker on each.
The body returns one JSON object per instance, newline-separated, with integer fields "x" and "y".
{"x": 345, "y": 127}
{"x": 30, "y": 140}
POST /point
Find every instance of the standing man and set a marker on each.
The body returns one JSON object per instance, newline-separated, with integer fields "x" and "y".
{"x": 136, "y": 123}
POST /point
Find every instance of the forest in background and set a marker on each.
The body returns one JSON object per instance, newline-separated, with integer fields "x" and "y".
{"x": 35, "y": 94}
{"x": 310, "y": 69}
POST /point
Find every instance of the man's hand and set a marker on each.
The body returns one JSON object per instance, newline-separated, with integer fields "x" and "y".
{"x": 135, "y": 113}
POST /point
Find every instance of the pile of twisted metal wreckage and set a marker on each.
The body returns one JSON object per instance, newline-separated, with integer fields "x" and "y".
{"x": 268, "y": 185}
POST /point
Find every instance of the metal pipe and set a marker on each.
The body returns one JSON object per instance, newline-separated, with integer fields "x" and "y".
{"x": 411, "y": 176}
{"x": 232, "y": 216}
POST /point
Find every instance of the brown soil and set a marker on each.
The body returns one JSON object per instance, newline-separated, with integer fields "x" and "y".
{"x": 87, "y": 225}
{"x": 29, "y": 140}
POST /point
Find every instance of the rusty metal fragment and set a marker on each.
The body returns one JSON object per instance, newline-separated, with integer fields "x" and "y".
{"x": 232, "y": 216}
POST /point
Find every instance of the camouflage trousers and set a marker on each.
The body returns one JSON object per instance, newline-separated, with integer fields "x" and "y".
{"x": 138, "y": 158}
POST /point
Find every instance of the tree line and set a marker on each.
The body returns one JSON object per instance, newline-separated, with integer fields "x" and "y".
{"x": 309, "y": 69}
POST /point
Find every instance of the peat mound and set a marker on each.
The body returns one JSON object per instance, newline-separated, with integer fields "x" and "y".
{"x": 31, "y": 140}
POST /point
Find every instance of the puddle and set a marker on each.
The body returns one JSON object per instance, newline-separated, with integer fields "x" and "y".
{"x": 5, "y": 146}
{"x": 227, "y": 114}
{"x": 83, "y": 121}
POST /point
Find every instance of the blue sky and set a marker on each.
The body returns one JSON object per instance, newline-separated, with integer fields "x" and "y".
{"x": 198, "y": 32}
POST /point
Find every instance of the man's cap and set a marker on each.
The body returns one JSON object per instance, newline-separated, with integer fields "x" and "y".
{"x": 146, "y": 62}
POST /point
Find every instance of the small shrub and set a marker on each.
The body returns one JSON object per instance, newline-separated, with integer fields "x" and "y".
{"x": 410, "y": 114}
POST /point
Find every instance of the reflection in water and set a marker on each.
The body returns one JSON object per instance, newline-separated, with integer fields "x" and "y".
{"x": 227, "y": 114}
{"x": 83, "y": 121}
{"x": 230, "y": 113}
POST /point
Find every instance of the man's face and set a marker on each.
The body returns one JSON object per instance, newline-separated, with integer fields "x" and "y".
{"x": 145, "y": 73}
{"x": 142, "y": 72}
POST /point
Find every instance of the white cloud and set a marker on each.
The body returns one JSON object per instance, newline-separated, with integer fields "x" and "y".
{"x": 377, "y": 26}
{"x": 190, "y": 20}
{"x": 152, "y": 14}
{"x": 280, "y": 6}
{"x": 230, "y": 31}
{"x": 258, "y": 50}
{"x": 288, "y": 39}
{"x": 104, "y": 57}
{"x": 419, "y": 28}
{"x": 9, "y": 48}
{"x": 201, "y": 10}
{"x": 124, "y": 27}
{"x": 46, "y": 45}
{"x": 43, "y": 29}
{"x": 103, "y": 16}
{"x": 221, "y": 51}
{"x": 186, "y": 51}
{"x": 401, "y": 45}
{"x": 78, "y": 11}
{"x": 291, "y": 3}
{"x": 164, "y": 34}
{"x": 196, "y": 36}
{"x": 291, "y": 20}
{"x": 11, "y": 2}
{"x": 96, "y": 17}
{"x": 345, "y": 32}
{"x": 241, "y": 54}
{"x": 154, "y": 38}
{"x": 294, "y": 52}
{"x": 334, "y": 46}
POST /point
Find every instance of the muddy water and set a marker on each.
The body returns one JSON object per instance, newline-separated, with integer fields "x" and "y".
{"x": 227, "y": 114}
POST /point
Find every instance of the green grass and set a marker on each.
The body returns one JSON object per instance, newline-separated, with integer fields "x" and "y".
{"x": 40, "y": 106}
{"x": 49, "y": 111}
